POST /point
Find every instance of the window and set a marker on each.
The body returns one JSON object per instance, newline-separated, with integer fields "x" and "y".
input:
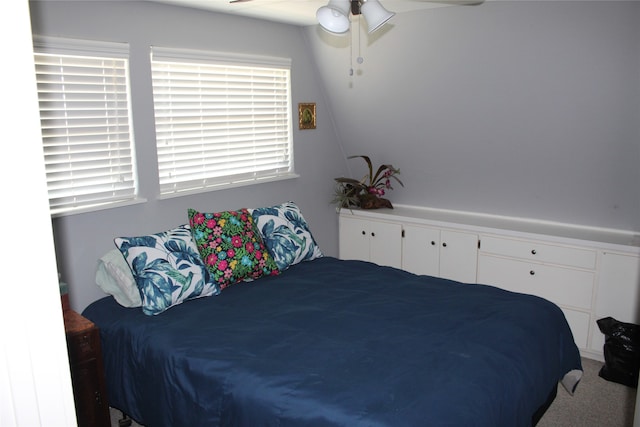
{"x": 222, "y": 120}
{"x": 83, "y": 93}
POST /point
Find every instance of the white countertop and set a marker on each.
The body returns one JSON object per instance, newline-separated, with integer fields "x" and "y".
{"x": 485, "y": 222}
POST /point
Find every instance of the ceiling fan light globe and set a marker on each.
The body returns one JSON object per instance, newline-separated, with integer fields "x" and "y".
{"x": 375, "y": 15}
{"x": 334, "y": 17}
{"x": 332, "y": 20}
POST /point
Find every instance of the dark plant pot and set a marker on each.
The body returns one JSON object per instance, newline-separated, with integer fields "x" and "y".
{"x": 370, "y": 201}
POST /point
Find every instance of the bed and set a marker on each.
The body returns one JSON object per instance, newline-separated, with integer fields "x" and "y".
{"x": 330, "y": 342}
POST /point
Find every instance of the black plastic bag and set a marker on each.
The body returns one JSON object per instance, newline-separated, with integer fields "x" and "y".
{"x": 621, "y": 351}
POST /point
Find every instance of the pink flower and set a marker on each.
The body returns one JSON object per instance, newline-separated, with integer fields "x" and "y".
{"x": 258, "y": 255}
{"x": 211, "y": 223}
{"x": 198, "y": 218}
{"x": 222, "y": 265}
{"x": 249, "y": 247}
{"x": 212, "y": 259}
{"x": 228, "y": 273}
{"x": 231, "y": 253}
{"x": 236, "y": 241}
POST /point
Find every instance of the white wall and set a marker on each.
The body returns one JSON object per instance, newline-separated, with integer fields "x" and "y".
{"x": 35, "y": 384}
{"x": 524, "y": 108}
{"x": 82, "y": 239}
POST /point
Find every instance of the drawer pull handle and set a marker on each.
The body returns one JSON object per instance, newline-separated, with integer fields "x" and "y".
{"x": 433, "y": 243}
{"x": 533, "y": 252}
{"x": 444, "y": 245}
{"x": 373, "y": 234}
{"x": 363, "y": 232}
{"x": 532, "y": 272}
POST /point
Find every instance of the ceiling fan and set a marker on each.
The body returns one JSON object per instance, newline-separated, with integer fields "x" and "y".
{"x": 334, "y": 17}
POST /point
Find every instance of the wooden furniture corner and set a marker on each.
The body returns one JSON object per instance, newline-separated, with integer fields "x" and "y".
{"x": 87, "y": 375}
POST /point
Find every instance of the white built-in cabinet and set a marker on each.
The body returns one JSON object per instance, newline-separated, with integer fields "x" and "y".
{"x": 588, "y": 272}
{"x": 443, "y": 253}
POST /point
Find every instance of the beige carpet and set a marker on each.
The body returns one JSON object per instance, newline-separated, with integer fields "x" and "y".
{"x": 596, "y": 403}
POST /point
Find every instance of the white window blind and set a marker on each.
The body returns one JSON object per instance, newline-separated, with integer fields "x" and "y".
{"x": 221, "y": 120}
{"x": 83, "y": 93}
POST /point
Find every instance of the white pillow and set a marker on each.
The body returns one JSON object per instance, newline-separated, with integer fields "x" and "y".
{"x": 114, "y": 277}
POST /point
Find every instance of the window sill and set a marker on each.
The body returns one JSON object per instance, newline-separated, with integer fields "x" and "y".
{"x": 89, "y": 209}
{"x": 227, "y": 186}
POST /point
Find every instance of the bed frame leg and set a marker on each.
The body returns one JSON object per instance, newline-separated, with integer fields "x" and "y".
{"x": 125, "y": 421}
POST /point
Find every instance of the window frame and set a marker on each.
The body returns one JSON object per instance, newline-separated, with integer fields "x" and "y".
{"x": 93, "y": 50}
{"x": 165, "y": 57}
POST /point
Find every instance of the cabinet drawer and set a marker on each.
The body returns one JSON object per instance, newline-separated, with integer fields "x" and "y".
{"x": 540, "y": 252}
{"x": 91, "y": 405}
{"x": 579, "y": 323}
{"x": 562, "y": 286}
{"x": 83, "y": 345}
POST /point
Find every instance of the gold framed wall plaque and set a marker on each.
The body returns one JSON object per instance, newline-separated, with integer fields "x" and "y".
{"x": 307, "y": 115}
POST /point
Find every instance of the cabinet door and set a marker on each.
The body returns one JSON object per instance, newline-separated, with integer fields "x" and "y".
{"x": 421, "y": 250}
{"x": 458, "y": 256}
{"x": 375, "y": 241}
{"x": 441, "y": 253}
{"x": 385, "y": 243}
{"x": 353, "y": 239}
{"x": 618, "y": 292}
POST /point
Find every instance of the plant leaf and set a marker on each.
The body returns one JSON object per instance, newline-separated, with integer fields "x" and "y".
{"x": 381, "y": 169}
{"x": 394, "y": 176}
{"x": 368, "y": 160}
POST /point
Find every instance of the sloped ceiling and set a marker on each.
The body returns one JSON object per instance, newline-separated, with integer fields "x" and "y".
{"x": 296, "y": 12}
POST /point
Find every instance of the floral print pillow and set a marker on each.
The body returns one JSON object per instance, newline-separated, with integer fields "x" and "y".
{"x": 167, "y": 268}
{"x": 230, "y": 246}
{"x": 286, "y": 234}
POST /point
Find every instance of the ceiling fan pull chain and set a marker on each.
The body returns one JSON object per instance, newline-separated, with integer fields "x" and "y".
{"x": 351, "y": 55}
{"x": 360, "y": 59}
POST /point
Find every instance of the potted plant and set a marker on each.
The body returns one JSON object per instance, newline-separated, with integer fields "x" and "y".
{"x": 366, "y": 193}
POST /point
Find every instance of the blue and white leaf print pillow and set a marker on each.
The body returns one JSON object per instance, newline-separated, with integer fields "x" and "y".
{"x": 167, "y": 268}
{"x": 286, "y": 234}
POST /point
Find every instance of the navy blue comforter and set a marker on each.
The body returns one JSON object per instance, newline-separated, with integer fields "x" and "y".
{"x": 337, "y": 343}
